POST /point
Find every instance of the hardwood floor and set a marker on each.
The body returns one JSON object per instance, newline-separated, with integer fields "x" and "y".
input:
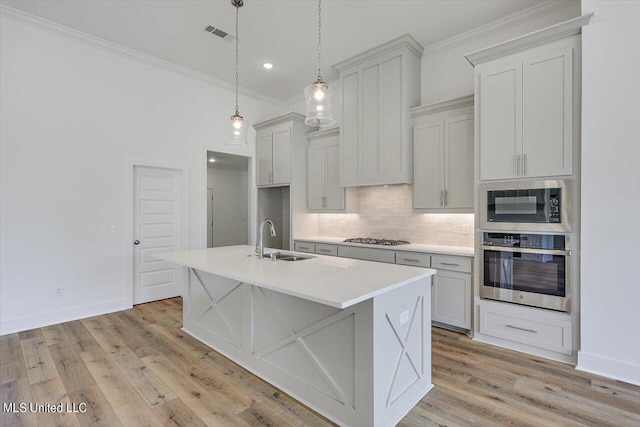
{"x": 137, "y": 368}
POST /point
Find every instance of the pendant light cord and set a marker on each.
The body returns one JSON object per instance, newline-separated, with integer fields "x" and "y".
{"x": 237, "y": 56}
{"x": 319, "y": 36}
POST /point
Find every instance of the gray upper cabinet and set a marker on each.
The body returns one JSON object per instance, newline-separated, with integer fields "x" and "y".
{"x": 324, "y": 193}
{"x": 378, "y": 88}
{"x": 274, "y": 139}
{"x": 443, "y": 156}
{"x": 526, "y": 110}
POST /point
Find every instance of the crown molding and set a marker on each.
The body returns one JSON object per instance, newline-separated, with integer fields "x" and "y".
{"x": 546, "y": 35}
{"x": 20, "y": 16}
{"x": 280, "y": 119}
{"x": 437, "y": 107}
{"x": 325, "y": 133}
{"x": 547, "y": 8}
{"x": 406, "y": 40}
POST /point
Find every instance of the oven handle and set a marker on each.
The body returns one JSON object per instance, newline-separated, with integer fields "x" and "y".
{"x": 527, "y": 250}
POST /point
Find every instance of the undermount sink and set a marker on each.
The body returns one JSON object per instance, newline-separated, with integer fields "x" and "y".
{"x": 286, "y": 257}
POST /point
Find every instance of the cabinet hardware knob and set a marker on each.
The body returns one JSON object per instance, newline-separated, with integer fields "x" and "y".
{"x": 136, "y": 242}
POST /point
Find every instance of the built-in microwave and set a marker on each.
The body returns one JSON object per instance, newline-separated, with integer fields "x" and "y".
{"x": 538, "y": 206}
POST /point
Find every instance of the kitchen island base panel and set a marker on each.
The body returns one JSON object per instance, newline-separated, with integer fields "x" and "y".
{"x": 368, "y": 364}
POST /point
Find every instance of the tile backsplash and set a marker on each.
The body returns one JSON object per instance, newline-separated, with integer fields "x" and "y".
{"x": 386, "y": 212}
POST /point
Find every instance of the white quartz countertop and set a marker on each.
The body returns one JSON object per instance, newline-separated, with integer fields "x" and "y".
{"x": 333, "y": 281}
{"x": 411, "y": 247}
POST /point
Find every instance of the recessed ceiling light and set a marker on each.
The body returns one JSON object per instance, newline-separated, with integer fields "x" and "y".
{"x": 212, "y": 160}
{"x": 267, "y": 65}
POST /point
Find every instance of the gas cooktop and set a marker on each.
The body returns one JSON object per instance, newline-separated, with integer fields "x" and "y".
{"x": 372, "y": 241}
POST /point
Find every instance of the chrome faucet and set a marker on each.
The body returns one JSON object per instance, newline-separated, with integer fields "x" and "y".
{"x": 260, "y": 247}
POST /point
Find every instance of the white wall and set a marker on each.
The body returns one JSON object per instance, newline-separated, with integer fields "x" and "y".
{"x": 610, "y": 288}
{"x": 446, "y": 73}
{"x": 230, "y": 205}
{"x": 74, "y": 114}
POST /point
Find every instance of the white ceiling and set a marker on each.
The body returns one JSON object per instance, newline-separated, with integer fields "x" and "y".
{"x": 283, "y": 32}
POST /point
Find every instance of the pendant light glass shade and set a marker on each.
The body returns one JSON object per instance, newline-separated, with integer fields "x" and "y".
{"x": 237, "y": 124}
{"x": 237, "y": 130}
{"x": 319, "y": 108}
{"x": 318, "y": 94}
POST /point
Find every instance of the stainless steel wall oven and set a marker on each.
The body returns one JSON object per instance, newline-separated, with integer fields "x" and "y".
{"x": 528, "y": 269}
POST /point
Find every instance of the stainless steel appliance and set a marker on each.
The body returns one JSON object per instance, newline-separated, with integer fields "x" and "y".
{"x": 539, "y": 206}
{"x": 528, "y": 269}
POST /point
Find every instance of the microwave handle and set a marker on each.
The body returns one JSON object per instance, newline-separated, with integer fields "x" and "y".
{"x": 527, "y": 250}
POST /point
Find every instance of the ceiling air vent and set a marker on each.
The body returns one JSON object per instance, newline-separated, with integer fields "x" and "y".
{"x": 218, "y": 32}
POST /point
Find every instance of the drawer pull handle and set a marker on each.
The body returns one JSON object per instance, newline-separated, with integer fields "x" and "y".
{"x": 304, "y": 247}
{"x": 324, "y": 250}
{"x": 522, "y": 329}
{"x": 410, "y": 260}
{"x": 450, "y": 263}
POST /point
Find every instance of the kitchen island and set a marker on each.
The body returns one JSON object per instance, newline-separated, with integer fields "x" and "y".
{"x": 351, "y": 339}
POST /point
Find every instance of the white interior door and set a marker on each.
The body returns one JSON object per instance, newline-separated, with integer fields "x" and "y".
{"x": 157, "y": 203}
{"x": 209, "y": 217}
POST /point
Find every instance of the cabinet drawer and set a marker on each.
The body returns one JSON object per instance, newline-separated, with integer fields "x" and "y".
{"x": 367, "y": 254}
{"x": 325, "y": 249}
{"x": 526, "y": 328}
{"x": 452, "y": 263}
{"x": 413, "y": 258}
{"x": 304, "y": 247}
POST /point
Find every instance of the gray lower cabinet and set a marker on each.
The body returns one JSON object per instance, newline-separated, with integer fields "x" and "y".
{"x": 367, "y": 254}
{"x": 451, "y": 287}
{"x": 451, "y": 299}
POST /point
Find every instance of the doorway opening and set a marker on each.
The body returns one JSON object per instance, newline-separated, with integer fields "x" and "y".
{"x": 227, "y": 199}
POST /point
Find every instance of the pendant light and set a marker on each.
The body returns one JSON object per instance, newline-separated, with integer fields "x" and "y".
{"x": 238, "y": 125}
{"x": 318, "y": 94}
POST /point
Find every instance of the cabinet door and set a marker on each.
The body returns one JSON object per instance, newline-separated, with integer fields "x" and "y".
{"x": 428, "y": 172}
{"x": 369, "y": 147}
{"x": 316, "y": 179}
{"x": 392, "y": 126}
{"x": 458, "y": 162}
{"x": 349, "y": 128}
{"x": 500, "y": 122}
{"x": 264, "y": 163}
{"x": 451, "y": 299}
{"x": 333, "y": 192}
{"x": 547, "y": 114}
{"x": 282, "y": 155}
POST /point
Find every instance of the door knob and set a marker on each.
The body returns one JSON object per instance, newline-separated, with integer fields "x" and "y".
{"x": 136, "y": 242}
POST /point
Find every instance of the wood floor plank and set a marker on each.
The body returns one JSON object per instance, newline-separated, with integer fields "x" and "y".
{"x": 79, "y": 337}
{"x": 258, "y": 414}
{"x": 196, "y": 397}
{"x": 17, "y": 392}
{"x": 71, "y": 368}
{"x": 97, "y": 412}
{"x": 115, "y": 386}
{"x": 127, "y": 360}
{"x": 52, "y": 392}
{"x": 150, "y": 387}
{"x": 139, "y": 414}
{"x": 38, "y": 360}
{"x": 596, "y": 412}
{"x": 176, "y": 413}
{"x": 54, "y": 335}
{"x": 32, "y": 333}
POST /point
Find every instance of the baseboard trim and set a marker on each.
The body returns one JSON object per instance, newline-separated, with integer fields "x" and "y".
{"x": 47, "y": 319}
{"x": 610, "y": 368}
